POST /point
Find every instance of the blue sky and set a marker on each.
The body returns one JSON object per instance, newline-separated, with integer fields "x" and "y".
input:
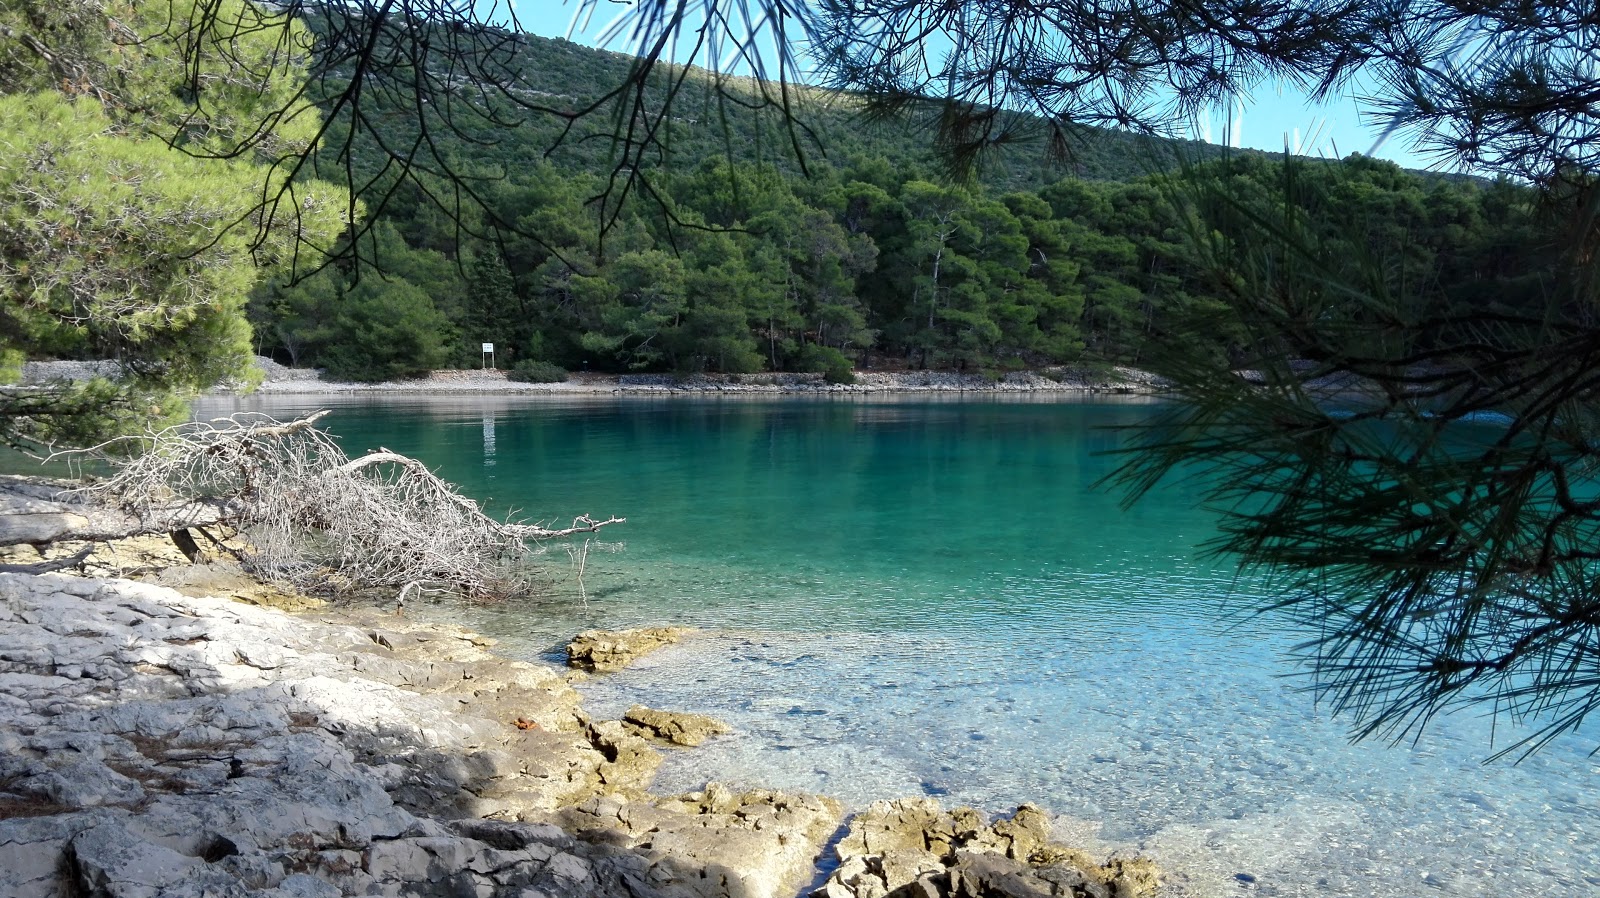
{"x": 1275, "y": 117}
{"x": 1268, "y": 120}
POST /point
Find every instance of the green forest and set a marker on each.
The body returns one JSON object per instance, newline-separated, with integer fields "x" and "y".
{"x": 741, "y": 260}
{"x": 841, "y": 243}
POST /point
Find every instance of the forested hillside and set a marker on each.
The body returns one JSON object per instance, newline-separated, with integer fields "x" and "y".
{"x": 833, "y": 245}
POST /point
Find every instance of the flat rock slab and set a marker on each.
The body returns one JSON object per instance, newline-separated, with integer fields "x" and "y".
{"x": 227, "y": 580}
{"x": 755, "y": 844}
{"x": 607, "y": 650}
{"x": 676, "y": 727}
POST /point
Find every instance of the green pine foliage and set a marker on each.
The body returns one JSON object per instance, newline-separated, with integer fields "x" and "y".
{"x": 746, "y": 256}
{"x": 129, "y": 228}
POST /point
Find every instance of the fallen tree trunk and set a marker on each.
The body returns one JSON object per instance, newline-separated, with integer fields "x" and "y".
{"x": 311, "y": 515}
{"x": 36, "y": 513}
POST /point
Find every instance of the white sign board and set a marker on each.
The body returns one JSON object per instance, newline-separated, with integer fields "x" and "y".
{"x": 488, "y": 347}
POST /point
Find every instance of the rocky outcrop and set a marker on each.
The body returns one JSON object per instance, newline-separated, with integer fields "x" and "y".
{"x": 912, "y": 848}
{"x": 760, "y": 844}
{"x": 608, "y": 650}
{"x": 676, "y": 727}
{"x": 157, "y": 744}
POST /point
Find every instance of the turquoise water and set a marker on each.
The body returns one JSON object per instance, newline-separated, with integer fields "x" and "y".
{"x": 922, "y": 597}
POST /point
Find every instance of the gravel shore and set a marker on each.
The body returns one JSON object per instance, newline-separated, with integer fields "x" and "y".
{"x": 279, "y": 379}
{"x": 1117, "y": 380}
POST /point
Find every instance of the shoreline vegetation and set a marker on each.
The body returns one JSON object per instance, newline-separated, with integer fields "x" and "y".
{"x": 193, "y": 732}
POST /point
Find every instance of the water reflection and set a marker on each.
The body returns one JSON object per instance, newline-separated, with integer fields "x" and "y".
{"x": 488, "y": 438}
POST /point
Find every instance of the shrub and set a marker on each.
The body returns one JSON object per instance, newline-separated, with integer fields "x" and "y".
{"x": 832, "y": 364}
{"x": 534, "y": 371}
{"x": 384, "y": 330}
{"x": 11, "y": 366}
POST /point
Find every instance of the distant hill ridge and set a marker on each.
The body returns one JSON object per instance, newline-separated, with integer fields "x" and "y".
{"x": 1099, "y": 154}
{"x": 564, "y": 74}
{"x": 570, "y": 241}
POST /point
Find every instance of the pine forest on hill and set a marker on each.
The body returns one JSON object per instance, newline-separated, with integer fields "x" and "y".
{"x": 745, "y": 255}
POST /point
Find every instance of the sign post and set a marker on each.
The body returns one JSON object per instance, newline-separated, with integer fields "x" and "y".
{"x": 488, "y": 355}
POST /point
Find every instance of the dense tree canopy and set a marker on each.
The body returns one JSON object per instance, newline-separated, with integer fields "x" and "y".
{"x": 739, "y": 262}
{"x": 125, "y": 232}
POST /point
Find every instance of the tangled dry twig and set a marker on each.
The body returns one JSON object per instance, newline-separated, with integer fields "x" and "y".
{"x": 313, "y": 516}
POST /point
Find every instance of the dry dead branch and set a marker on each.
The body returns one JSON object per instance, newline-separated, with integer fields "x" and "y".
{"x": 313, "y": 516}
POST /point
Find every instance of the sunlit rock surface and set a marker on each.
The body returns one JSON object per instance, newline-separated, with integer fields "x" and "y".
{"x": 913, "y": 848}
{"x": 608, "y": 650}
{"x": 676, "y": 727}
{"x": 159, "y": 744}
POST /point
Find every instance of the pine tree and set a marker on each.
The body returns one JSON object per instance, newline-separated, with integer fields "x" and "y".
{"x": 117, "y": 244}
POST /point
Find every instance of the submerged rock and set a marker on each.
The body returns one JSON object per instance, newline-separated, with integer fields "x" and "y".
{"x": 913, "y": 847}
{"x": 676, "y": 727}
{"x": 608, "y": 650}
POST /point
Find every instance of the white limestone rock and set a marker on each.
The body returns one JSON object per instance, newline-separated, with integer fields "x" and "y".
{"x": 153, "y": 743}
{"x": 33, "y": 852}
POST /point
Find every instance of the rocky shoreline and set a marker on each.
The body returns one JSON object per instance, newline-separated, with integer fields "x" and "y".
{"x": 163, "y": 744}
{"x": 278, "y": 379}
{"x": 157, "y": 743}
{"x": 1117, "y": 382}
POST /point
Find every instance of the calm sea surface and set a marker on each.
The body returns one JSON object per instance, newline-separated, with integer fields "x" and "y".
{"x": 923, "y": 597}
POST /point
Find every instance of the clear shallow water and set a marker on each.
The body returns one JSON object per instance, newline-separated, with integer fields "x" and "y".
{"x": 924, "y": 597}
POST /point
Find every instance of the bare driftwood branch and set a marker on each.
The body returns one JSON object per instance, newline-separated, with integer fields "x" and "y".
{"x": 581, "y": 524}
{"x": 311, "y": 515}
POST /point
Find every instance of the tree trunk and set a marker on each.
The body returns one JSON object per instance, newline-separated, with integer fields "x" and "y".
{"x": 184, "y": 540}
{"x": 35, "y": 512}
